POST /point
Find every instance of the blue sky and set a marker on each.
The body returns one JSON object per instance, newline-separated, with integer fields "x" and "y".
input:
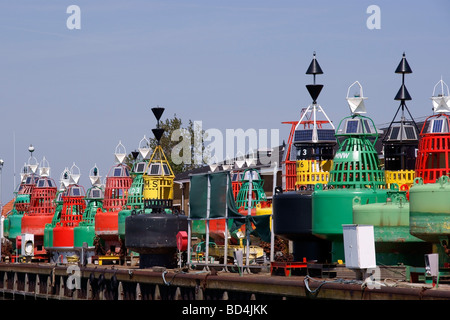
{"x": 231, "y": 64}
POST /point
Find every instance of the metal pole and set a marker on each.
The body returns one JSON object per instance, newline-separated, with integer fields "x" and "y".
{"x": 249, "y": 213}
{"x": 1, "y": 209}
{"x": 14, "y": 153}
{"x": 225, "y": 254}
{"x": 1, "y": 169}
{"x": 182, "y": 196}
{"x": 272, "y": 234}
{"x": 208, "y": 209}
{"x": 314, "y": 133}
{"x": 189, "y": 253}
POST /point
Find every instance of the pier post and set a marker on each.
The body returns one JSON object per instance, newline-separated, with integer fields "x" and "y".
{"x": 138, "y": 292}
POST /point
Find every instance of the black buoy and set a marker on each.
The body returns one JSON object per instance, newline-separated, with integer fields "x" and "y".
{"x": 292, "y": 220}
{"x": 154, "y": 237}
{"x": 292, "y": 211}
{"x": 152, "y": 232}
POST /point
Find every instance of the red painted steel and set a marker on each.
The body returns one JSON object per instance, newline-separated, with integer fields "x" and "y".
{"x": 71, "y": 215}
{"x": 182, "y": 240}
{"x": 41, "y": 211}
{"x": 236, "y": 187}
{"x": 290, "y": 167}
{"x": 26, "y": 188}
{"x": 116, "y": 189}
{"x": 433, "y": 152}
{"x": 42, "y": 207}
{"x": 116, "y": 194}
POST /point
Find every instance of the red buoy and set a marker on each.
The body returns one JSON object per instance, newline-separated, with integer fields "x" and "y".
{"x": 434, "y": 148}
{"x": 433, "y": 155}
{"x": 118, "y": 182}
{"x": 116, "y": 193}
{"x": 26, "y": 188}
{"x": 42, "y": 209}
{"x": 71, "y": 215}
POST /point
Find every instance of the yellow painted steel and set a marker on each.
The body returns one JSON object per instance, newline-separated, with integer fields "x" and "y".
{"x": 313, "y": 172}
{"x": 254, "y": 251}
{"x": 114, "y": 259}
{"x": 400, "y": 177}
{"x": 158, "y": 177}
{"x": 264, "y": 211}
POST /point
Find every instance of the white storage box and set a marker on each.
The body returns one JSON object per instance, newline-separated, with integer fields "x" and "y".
{"x": 27, "y": 244}
{"x": 359, "y": 246}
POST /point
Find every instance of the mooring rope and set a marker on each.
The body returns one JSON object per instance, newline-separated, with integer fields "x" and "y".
{"x": 168, "y": 283}
{"x": 315, "y": 292}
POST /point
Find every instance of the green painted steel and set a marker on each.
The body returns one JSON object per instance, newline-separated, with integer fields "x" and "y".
{"x": 394, "y": 242}
{"x": 356, "y": 163}
{"x": 123, "y": 214}
{"x": 334, "y": 207}
{"x": 135, "y": 200}
{"x": 85, "y": 231}
{"x": 13, "y": 225}
{"x": 356, "y": 172}
{"x": 430, "y": 209}
{"x": 390, "y": 218}
{"x": 22, "y": 199}
{"x": 258, "y": 194}
{"x": 48, "y": 229}
{"x": 48, "y": 235}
